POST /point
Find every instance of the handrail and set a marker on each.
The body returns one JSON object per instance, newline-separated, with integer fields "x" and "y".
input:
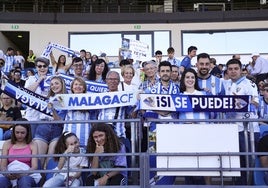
{"x": 143, "y": 168}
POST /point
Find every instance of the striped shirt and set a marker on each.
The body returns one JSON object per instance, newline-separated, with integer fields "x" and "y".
{"x": 109, "y": 114}
{"x": 9, "y": 63}
{"x": 213, "y": 84}
{"x": 194, "y": 115}
{"x": 82, "y": 130}
{"x": 263, "y": 108}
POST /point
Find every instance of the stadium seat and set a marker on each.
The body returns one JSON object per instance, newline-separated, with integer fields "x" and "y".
{"x": 259, "y": 175}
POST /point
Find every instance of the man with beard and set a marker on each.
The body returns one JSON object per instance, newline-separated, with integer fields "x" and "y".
{"x": 206, "y": 81}
{"x": 213, "y": 86}
{"x": 163, "y": 86}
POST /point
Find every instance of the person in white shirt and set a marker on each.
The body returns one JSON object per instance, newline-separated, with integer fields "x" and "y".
{"x": 240, "y": 85}
{"x": 260, "y": 69}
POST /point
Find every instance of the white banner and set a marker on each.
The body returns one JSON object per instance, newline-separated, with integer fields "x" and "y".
{"x": 91, "y": 101}
{"x": 139, "y": 50}
{"x": 67, "y": 50}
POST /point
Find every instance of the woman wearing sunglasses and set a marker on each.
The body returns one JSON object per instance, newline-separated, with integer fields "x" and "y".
{"x": 37, "y": 85}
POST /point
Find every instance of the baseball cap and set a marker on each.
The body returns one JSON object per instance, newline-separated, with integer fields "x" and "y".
{"x": 255, "y": 54}
{"x": 42, "y": 59}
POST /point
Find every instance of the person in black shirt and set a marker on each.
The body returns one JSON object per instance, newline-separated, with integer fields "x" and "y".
{"x": 8, "y": 112}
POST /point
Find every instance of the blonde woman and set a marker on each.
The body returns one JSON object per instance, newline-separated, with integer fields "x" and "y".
{"x": 128, "y": 73}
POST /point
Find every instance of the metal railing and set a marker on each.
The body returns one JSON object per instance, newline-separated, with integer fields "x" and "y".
{"x": 141, "y": 169}
{"x": 135, "y": 6}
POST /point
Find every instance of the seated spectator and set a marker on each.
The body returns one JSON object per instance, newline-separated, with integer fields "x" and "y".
{"x": 67, "y": 143}
{"x": 20, "y": 144}
{"x": 102, "y": 139}
{"x": 8, "y": 112}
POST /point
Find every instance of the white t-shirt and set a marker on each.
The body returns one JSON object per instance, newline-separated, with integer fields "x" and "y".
{"x": 243, "y": 86}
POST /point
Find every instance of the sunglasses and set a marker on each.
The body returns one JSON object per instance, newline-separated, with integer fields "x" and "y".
{"x": 40, "y": 66}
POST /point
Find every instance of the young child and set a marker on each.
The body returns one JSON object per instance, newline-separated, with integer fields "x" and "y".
{"x": 67, "y": 143}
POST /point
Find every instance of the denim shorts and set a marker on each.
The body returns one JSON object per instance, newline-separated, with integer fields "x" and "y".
{"x": 48, "y": 132}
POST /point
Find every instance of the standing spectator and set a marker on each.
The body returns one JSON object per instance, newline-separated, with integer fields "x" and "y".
{"x": 189, "y": 86}
{"x": 236, "y": 56}
{"x": 175, "y": 76}
{"x": 151, "y": 78}
{"x": 67, "y": 143}
{"x": 158, "y": 57}
{"x": 77, "y": 66}
{"x": 38, "y": 85}
{"x": 9, "y": 60}
{"x": 19, "y": 144}
{"x": 30, "y": 60}
{"x": 59, "y": 66}
{"x": 127, "y": 72}
{"x": 82, "y": 130}
{"x": 263, "y": 142}
{"x": 171, "y": 57}
{"x": 17, "y": 78}
{"x": 18, "y": 81}
{"x": 19, "y": 59}
{"x": 2, "y": 64}
{"x": 263, "y": 106}
{"x": 114, "y": 113}
{"x": 186, "y": 62}
{"x": 240, "y": 85}
{"x": 209, "y": 83}
{"x": 98, "y": 71}
{"x": 87, "y": 63}
{"x": 215, "y": 71}
{"x": 260, "y": 69}
{"x": 94, "y": 58}
{"x": 29, "y": 72}
{"x": 47, "y": 135}
{"x": 83, "y": 55}
{"x": 102, "y": 139}
{"x": 163, "y": 86}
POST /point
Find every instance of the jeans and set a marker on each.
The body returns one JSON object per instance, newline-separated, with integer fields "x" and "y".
{"x": 59, "y": 180}
{"x": 7, "y": 134}
{"x": 22, "y": 182}
{"x": 48, "y": 132}
{"x": 33, "y": 129}
{"x": 1, "y": 134}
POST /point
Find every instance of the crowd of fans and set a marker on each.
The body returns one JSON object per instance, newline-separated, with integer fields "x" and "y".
{"x": 155, "y": 76}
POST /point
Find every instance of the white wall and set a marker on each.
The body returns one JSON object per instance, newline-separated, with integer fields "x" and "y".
{"x": 5, "y": 43}
{"x": 42, "y": 34}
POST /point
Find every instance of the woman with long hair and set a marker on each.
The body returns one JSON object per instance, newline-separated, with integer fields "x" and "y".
{"x": 68, "y": 143}
{"x": 98, "y": 71}
{"x": 102, "y": 139}
{"x": 20, "y": 144}
{"x": 47, "y": 135}
{"x": 59, "y": 66}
